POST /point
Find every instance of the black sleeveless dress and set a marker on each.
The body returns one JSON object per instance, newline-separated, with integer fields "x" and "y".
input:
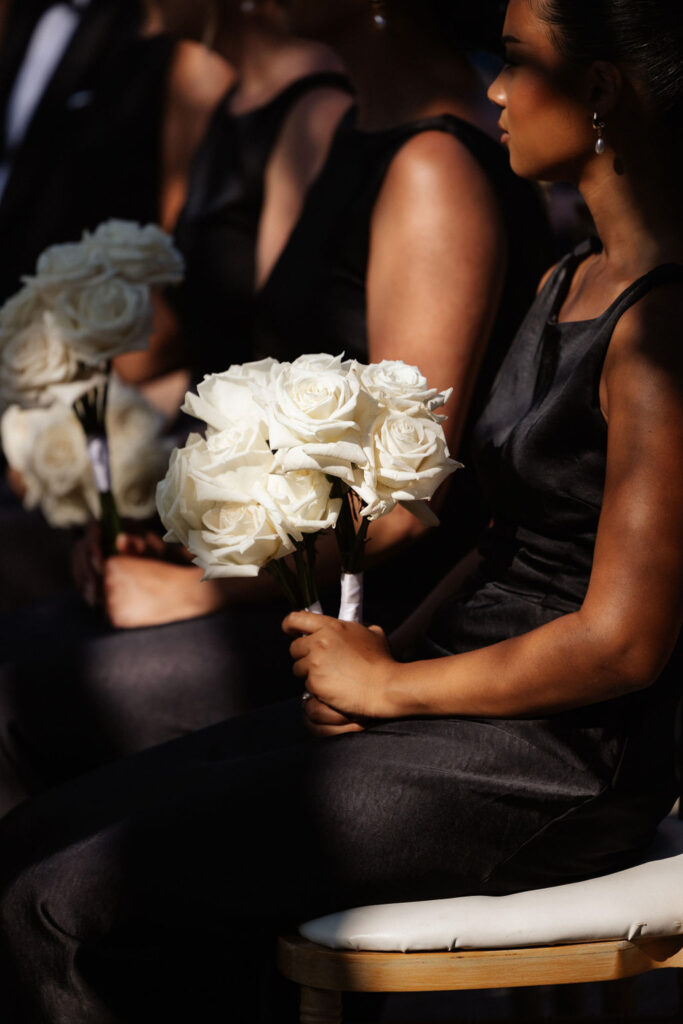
{"x": 540, "y": 447}
{"x": 216, "y": 231}
{"x": 315, "y": 300}
{"x": 251, "y": 826}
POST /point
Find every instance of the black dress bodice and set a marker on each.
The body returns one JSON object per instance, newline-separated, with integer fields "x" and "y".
{"x": 216, "y": 231}
{"x": 315, "y": 300}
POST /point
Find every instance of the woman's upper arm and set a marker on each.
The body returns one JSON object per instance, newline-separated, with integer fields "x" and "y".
{"x": 438, "y": 258}
{"x": 636, "y": 587}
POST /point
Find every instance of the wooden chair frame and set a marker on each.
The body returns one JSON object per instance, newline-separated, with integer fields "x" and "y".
{"x": 324, "y": 974}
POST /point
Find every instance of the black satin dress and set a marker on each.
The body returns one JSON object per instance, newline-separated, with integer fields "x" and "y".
{"x": 216, "y": 231}
{"x": 315, "y": 300}
{"x": 124, "y": 891}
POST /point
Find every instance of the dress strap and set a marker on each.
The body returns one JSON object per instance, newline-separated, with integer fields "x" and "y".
{"x": 665, "y": 273}
{"x": 301, "y": 86}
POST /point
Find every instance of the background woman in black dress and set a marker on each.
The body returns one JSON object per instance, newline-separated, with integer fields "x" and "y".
{"x": 542, "y": 749}
{"x": 75, "y": 692}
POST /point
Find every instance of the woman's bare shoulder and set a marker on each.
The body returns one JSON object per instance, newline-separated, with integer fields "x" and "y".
{"x": 198, "y": 77}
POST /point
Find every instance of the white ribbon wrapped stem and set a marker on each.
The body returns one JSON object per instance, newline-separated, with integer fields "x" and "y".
{"x": 351, "y": 605}
{"x": 98, "y": 453}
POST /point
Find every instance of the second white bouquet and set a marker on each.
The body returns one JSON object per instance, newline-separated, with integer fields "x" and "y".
{"x": 293, "y": 449}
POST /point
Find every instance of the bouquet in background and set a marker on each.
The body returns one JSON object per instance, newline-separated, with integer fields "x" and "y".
{"x": 47, "y": 447}
{"x": 292, "y": 449}
{"x": 87, "y": 303}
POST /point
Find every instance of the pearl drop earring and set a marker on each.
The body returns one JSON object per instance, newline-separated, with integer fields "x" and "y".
{"x": 598, "y": 126}
{"x": 379, "y": 15}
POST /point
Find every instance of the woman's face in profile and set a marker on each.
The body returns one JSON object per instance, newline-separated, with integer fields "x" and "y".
{"x": 546, "y": 116}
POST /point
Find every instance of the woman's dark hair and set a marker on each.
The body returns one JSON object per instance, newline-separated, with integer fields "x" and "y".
{"x": 644, "y": 37}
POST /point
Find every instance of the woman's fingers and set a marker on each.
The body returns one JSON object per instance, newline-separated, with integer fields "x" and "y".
{"x": 305, "y": 622}
{"x": 300, "y": 668}
{"x": 322, "y": 714}
{"x": 299, "y": 648}
{"x": 324, "y": 721}
{"x": 325, "y": 731}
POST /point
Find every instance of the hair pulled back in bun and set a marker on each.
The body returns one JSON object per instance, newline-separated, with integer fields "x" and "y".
{"x": 643, "y": 37}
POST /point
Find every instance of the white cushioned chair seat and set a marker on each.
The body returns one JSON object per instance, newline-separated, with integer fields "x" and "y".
{"x": 645, "y": 900}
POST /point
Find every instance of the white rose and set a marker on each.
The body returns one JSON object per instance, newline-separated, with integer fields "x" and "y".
{"x": 103, "y": 320}
{"x": 238, "y": 539}
{"x": 143, "y": 255}
{"x": 303, "y": 502}
{"x": 225, "y": 399}
{"x": 315, "y": 361}
{"x": 176, "y": 496}
{"x": 74, "y": 509}
{"x": 224, "y": 467}
{"x": 407, "y": 460}
{"x": 320, "y": 419}
{"x": 59, "y": 457}
{"x": 33, "y": 359}
{"x": 397, "y": 385}
{"x": 215, "y": 500}
{"x": 21, "y": 310}
{"x": 17, "y": 431}
{"x": 47, "y": 446}
{"x": 72, "y": 263}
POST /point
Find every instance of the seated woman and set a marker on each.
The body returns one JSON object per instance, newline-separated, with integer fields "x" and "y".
{"x": 536, "y": 746}
{"x": 416, "y": 158}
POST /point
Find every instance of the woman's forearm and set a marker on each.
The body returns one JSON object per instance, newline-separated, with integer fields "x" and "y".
{"x": 564, "y": 664}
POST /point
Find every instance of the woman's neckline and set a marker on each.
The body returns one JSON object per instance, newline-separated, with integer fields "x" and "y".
{"x": 590, "y": 247}
{"x": 256, "y": 108}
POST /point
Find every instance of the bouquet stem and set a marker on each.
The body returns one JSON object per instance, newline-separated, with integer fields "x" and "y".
{"x": 111, "y": 523}
{"x": 91, "y": 411}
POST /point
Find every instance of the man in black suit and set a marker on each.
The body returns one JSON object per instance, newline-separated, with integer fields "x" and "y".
{"x": 81, "y": 106}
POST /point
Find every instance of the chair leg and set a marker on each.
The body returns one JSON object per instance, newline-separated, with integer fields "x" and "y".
{"x": 320, "y": 1007}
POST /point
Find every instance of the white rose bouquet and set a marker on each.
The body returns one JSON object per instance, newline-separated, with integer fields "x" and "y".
{"x": 292, "y": 449}
{"x": 88, "y": 302}
{"x": 47, "y": 447}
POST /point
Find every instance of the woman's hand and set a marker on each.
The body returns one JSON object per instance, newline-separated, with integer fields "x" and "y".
{"x": 346, "y": 667}
{"x": 147, "y": 591}
{"x": 323, "y": 721}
